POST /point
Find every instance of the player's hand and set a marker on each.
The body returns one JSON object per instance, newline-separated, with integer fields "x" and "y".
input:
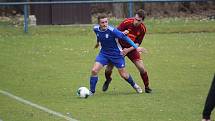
{"x": 142, "y": 50}
{"x": 97, "y": 45}
{"x": 145, "y": 50}
{"x": 125, "y": 32}
{"x": 125, "y": 51}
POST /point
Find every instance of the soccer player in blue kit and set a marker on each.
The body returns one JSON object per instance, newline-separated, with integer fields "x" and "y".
{"x": 111, "y": 52}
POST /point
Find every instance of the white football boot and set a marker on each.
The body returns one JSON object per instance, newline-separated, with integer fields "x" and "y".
{"x": 138, "y": 88}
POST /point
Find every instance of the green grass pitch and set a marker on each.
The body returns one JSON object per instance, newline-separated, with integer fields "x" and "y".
{"x": 47, "y": 66}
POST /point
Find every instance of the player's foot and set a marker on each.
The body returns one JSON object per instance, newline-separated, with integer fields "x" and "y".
{"x": 148, "y": 90}
{"x": 106, "y": 85}
{"x": 91, "y": 93}
{"x": 138, "y": 88}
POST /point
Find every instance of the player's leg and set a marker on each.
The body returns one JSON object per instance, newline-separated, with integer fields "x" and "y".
{"x": 210, "y": 102}
{"x": 108, "y": 72}
{"x": 134, "y": 56}
{"x": 120, "y": 65}
{"x": 94, "y": 76}
{"x": 125, "y": 75}
{"x": 99, "y": 64}
{"x": 144, "y": 75}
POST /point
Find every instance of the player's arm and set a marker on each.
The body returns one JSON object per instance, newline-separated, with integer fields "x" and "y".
{"x": 97, "y": 44}
{"x": 97, "y": 39}
{"x": 138, "y": 41}
{"x": 122, "y": 36}
{"x": 125, "y": 51}
{"x": 133, "y": 38}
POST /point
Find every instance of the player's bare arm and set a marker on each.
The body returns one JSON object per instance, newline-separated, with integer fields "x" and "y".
{"x": 125, "y": 51}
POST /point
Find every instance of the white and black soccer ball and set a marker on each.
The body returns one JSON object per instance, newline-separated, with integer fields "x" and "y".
{"x": 83, "y": 92}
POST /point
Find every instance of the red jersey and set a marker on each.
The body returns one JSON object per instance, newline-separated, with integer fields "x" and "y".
{"x": 136, "y": 33}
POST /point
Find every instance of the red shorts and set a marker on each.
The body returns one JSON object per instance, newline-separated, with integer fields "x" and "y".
{"x": 134, "y": 55}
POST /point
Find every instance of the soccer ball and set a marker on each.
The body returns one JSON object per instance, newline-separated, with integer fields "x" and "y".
{"x": 83, "y": 92}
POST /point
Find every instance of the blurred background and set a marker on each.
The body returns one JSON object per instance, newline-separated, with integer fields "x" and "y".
{"x": 83, "y": 13}
{"x": 49, "y": 63}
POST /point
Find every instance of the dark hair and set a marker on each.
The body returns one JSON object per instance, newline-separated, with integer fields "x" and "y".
{"x": 101, "y": 16}
{"x": 141, "y": 13}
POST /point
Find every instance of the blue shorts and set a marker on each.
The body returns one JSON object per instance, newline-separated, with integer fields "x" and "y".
{"x": 118, "y": 62}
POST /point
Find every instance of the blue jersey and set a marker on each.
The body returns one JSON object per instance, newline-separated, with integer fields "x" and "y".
{"x": 109, "y": 41}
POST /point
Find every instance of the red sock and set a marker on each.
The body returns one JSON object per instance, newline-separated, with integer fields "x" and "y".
{"x": 108, "y": 75}
{"x": 145, "y": 79}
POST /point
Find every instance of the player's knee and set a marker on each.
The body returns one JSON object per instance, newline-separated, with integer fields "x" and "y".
{"x": 94, "y": 71}
{"x": 143, "y": 71}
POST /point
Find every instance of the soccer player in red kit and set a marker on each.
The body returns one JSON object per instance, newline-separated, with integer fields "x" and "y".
{"x": 135, "y": 29}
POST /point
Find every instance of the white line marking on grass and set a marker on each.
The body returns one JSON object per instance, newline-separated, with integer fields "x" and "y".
{"x": 36, "y": 106}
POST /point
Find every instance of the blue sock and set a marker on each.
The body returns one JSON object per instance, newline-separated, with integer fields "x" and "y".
{"x": 93, "y": 81}
{"x": 130, "y": 81}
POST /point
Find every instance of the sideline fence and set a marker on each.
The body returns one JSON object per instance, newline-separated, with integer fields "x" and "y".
{"x": 129, "y": 2}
